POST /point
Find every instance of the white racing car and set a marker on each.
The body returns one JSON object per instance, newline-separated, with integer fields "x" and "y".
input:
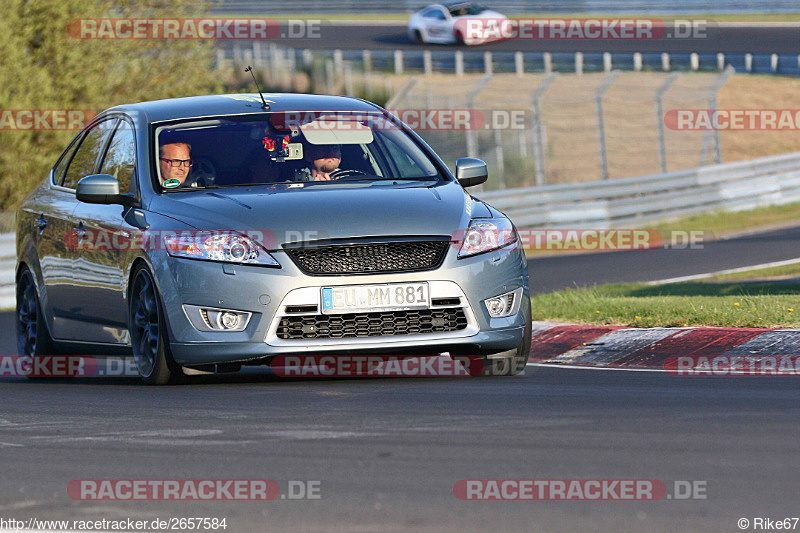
{"x": 446, "y": 23}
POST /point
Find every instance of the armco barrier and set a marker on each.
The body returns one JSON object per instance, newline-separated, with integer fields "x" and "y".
{"x": 742, "y": 185}
{"x": 602, "y": 204}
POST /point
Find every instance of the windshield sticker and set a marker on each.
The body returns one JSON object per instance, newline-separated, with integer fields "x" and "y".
{"x": 172, "y": 183}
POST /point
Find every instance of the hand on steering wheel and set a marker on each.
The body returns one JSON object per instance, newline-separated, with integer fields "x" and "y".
{"x": 345, "y": 174}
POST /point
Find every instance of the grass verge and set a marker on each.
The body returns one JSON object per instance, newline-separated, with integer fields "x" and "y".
{"x": 722, "y": 304}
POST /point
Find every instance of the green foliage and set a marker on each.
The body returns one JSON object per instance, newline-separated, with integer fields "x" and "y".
{"x": 758, "y": 304}
{"x": 43, "y": 67}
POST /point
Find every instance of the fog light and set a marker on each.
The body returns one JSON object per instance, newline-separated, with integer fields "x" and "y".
{"x": 228, "y": 320}
{"x": 504, "y": 305}
{"x": 212, "y": 319}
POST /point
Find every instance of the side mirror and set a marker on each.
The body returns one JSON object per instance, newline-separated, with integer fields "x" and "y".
{"x": 101, "y": 189}
{"x": 471, "y": 171}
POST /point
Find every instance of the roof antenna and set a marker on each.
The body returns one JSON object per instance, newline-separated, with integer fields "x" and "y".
{"x": 250, "y": 70}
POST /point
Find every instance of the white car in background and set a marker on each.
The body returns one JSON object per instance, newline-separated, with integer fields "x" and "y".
{"x": 445, "y": 23}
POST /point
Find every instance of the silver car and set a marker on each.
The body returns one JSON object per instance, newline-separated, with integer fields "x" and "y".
{"x": 202, "y": 234}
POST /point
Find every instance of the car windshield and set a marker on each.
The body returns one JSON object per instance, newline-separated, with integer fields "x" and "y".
{"x": 462, "y": 10}
{"x": 287, "y": 147}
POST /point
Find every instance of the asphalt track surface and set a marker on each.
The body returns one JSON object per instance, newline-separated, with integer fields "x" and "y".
{"x": 558, "y": 271}
{"x": 741, "y": 39}
{"x": 387, "y": 452}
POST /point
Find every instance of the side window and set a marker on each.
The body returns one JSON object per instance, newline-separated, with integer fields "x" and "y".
{"x": 433, "y": 13}
{"x": 61, "y": 165}
{"x": 85, "y": 159}
{"x": 120, "y": 159}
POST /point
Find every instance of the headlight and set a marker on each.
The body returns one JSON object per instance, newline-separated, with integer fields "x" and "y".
{"x": 487, "y": 234}
{"x": 226, "y": 247}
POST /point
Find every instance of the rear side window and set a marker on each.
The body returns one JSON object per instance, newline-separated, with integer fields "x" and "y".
{"x": 85, "y": 159}
{"x": 120, "y": 158}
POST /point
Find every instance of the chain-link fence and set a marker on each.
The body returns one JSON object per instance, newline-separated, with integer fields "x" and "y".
{"x": 531, "y": 128}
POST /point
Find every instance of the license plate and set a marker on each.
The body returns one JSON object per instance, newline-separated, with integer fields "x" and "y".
{"x": 393, "y": 297}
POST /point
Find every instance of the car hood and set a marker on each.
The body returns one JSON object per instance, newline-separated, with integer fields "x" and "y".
{"x": 331, "y": 211}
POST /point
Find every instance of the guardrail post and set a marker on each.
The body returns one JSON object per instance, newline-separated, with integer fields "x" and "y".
{"x": 487, "y": 63}
{"x": 366, "y": 59}
{"x": 606, "y": 62}
{"x": 536, "y": 126}
{"x": 578, "y": 62}
{"x": 427, "y": 62}
{"x": 398, "y": 62}
{"x": 694, "y": 60}
{"x": 548, "y": 62}
{"x": 308, "y": 57}
{"x": 519, "y": 63}
{"x": 472, "y": 135}
{"x": 773, "y": 62}
{"x": 658, "y": 98}
{"x": 348, "y": 80}
{"x": 258, "y": 55}
{"x": 712, "y": 136}
{"x": 329, "y": 76}
{"x": 637, "y": 61}
{"x": 338, "y": 61}
{"x": 721, "y": 61}
{"x": 665, "y": 62}
{"x": 748, "y": 62}
{"x": 601, "y": 128}
{"x": 220, "y": 58}
{"x": 459, "y": 63}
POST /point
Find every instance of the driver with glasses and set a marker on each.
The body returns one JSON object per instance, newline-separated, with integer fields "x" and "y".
{"x": 175, "y": 163}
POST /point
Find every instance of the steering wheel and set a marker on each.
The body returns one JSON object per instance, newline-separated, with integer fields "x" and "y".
{"x": 343, "y": 174}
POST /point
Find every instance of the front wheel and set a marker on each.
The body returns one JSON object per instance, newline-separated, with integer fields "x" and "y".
{"x": 148, "y": 332}
{"x": 513, "y": 362}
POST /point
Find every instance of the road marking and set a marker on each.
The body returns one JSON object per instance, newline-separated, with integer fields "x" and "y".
{"x": 4, "y": 444}
{"x": 728, "y": 271}
{"x": 578, "y": 367}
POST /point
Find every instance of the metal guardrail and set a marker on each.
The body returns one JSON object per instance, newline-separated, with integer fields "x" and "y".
{"x": 734, "y": 186}
{"x": 8, "y": 260}
{"x": 682, "y": 7}
{"x": 741, "y": 185}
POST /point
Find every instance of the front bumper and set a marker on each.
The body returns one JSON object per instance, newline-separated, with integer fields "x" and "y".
{"x": 265, "y": 292}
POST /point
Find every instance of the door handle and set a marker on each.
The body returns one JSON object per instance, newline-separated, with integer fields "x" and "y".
{"x": 40, "y": 223}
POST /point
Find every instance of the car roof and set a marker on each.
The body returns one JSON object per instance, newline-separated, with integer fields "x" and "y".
{"x": 236, "y": 104}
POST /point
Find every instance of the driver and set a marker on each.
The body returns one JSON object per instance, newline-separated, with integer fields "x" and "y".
{"x": 323, "y": 161}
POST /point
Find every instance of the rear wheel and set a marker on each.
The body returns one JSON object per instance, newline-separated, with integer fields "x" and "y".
{"x": 148, "y": 332}
{"x": 33, "y": 339}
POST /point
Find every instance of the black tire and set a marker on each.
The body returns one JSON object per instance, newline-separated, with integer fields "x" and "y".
{"x": 33, "y": 338}
{"x": 515, "y": 360}
{"x": 417, "y": 37}
{"x": 148, "y": 332}
{"x": 459, "y": 39}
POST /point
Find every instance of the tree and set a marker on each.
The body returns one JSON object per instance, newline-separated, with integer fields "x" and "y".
{"x": 44, "y": 68}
